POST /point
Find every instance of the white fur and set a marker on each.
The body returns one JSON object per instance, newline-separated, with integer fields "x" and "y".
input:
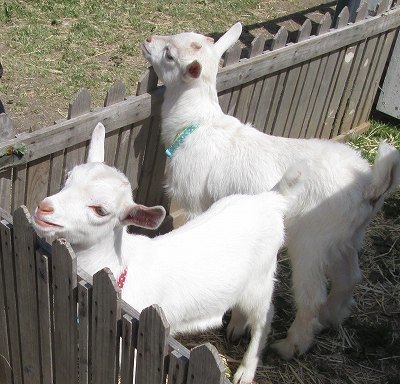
{"x": 225, "y": 258}
{"x": 223, "y": 156}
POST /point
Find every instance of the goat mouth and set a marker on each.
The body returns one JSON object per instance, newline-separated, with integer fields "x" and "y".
{"x": 45, "y": 224}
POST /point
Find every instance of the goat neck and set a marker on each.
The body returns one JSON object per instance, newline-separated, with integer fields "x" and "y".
{"x": 106, "y": 253}
{"x": 185, "y": 104}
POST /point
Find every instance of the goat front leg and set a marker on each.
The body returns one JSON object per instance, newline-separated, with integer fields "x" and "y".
{"x": 237, "y": 326}
{"x": 309, "y": 286}
{"x": 259, "y": 329}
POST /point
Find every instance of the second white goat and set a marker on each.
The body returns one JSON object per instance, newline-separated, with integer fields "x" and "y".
{"x": 223, "y": 259}
{"x": 213, "y": 155}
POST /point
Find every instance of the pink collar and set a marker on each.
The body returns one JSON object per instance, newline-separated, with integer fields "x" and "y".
{"x": 121, "y": 278}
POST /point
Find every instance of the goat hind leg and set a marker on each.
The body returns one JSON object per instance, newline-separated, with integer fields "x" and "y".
{"x": 259, "y": 329}
{"x": 344, "y": 273}
{"x": 309, "y": 286}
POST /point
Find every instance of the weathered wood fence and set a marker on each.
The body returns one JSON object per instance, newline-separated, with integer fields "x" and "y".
{"x": 321, "y": 85}
{"x": 58, "y": 327}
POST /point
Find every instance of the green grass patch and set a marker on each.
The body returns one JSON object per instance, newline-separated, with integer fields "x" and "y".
{"x": 368, "y": 142}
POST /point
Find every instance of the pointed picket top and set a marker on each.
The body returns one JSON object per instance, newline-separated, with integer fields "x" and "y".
{"x": 280, "y": 39}
{"x": 304, "y": 31}
{"x": 362, "y": 12}
{"x": 152, "y": 345}
{"x": 232, "y": 55}
{"x": 115, "y": 94}
{"x": 384, "y": 5}
{"x": 205, "y": 365}
{"x": 257, "y": 46}
{"x": 7, "y": 130}
{"x": 343, "y": 18}
{"x": 80, "y": 104}
{"x": 147, "y": 82}
{"x": 324, "y": 25}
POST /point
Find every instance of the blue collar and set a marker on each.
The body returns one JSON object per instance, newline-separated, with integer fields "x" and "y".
{"x": 180, "y": 138}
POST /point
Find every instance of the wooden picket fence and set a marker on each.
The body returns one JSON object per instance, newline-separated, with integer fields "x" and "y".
{"x": 60, "y": 326}
{"x": 321, "y": 85}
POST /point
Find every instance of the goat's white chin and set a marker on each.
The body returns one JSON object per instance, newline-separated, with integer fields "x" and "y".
{"x": 45, "y": 228}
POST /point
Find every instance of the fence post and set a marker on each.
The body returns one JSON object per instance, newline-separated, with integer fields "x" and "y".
{"x": 106, "y": 311}
{"x": 25, "y": 272}
{"x": 152, "y": 346}
{"x": 205, "y": 366}
{"x": 65, "y": 327}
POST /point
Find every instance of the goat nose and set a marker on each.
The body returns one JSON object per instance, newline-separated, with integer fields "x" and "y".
{"x": 149, "y": 39}
{"x": 45, "y": 208}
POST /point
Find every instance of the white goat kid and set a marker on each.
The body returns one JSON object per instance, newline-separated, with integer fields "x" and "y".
{"x": 214, "y": 155}
{"x": 223, "y": 259}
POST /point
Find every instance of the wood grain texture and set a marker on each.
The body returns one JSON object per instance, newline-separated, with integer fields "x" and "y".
{"x": 64, "y": 282}
{"x": 205, "y": 366}
{"x": 106, "y": 310}
{"x": 152, "y": 346}
{"x": 85, "y": 327}
{"x": 25, "y": 273}
{"x": 11, "y": 299}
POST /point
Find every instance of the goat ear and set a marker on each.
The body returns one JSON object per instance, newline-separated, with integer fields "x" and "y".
{"x": 144, "y": 217}
{"x": 96, "y": 147}
{"x": 193, "y": 70}
{"x": 228, "y": 38}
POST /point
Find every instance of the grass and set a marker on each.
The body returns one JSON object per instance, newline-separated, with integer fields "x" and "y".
{"x": 369, "y": 141}
{"x": 51, "y": 49}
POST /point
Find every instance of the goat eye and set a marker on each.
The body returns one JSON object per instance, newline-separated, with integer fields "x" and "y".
{"x": 98, "y": 210}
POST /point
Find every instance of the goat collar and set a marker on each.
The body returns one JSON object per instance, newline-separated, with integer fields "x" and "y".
{"x": 180, "y": 138}
{"x": 121, "y": 278}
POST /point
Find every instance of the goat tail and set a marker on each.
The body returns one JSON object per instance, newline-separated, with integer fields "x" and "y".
{"x": 292, "y": 181}
{"x": 385, "y": 174}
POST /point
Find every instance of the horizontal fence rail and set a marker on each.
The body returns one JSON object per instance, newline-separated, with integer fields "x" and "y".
{"x": 59, "y": 325}
{"x": 320, "y": 83}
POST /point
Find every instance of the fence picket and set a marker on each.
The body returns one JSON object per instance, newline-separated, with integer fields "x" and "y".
{"x": 258, "y": 45}
{"x": 246, "y": 92}
{"x": 80, "y": 105}
{"x": 19, "y": 187}
{"x": 362, "y": 11}
{"x": 343, "y": 18}
{"x": 374, "y": 80}
{"x": 178, "y": 368}
{"x": 106, "y": 310}
{"x": 291, "y": 92}
{"x": 11, "y": 299}
{"x": 5, "y": 359}
{"x": 84, "y": 326}
{"x": 152, "y": 346}
{"x": 25, "y": 272}
{"x": 232, "y": 55}
{"x": 358, "y": 84}
{"x": 64, "y": 282}
{"x": 37, "y": 182}
{"x": 45, "y": 316}
{"x": 325, "y": 24}
{"x": 130, "y": 327}
{"x": 205, "y": 366}
{"x": 5, "y": 189}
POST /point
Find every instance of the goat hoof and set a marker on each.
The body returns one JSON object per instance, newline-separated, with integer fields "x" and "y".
{"x": 284, "y": 348}
{"x": 243, "y": 376}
